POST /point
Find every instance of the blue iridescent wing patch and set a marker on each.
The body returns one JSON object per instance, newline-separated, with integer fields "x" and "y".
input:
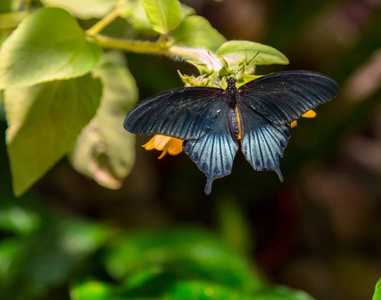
{"x": 215, "y": 151}
{"x": 262, "y": 142}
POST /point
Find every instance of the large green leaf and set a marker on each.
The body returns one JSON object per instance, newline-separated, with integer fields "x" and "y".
{"x": 47, "y": 45}
{"x": 203, "y": 290}
{"x": 182, "y": 253}
{"x": 84, "y": 9}
{"x": 196, "y": 32}
{"x": 164, "y": 15}
{"x": 238, "y": 52}
{"x": 44, "y": 121}
{"x": 182, "y": 289}
{"x": 377, "y": 292}
{"x": 47, "y": 258}
{"x": 178, "y": 264}
{"x": 104, "y": 150}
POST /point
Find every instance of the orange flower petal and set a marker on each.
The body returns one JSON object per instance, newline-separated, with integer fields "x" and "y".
{"x": 309, "y": 114}
{"x": 175, "y": 146}
{"x": 166, "y": 144}
{"x": 293, "y": 124}
{"x": 162, "y": 154}
{"x": 150, "y": 144}
{"x": 161, "y": 142}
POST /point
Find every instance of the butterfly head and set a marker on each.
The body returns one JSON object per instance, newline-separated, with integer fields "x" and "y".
{"x": 231, "y": 84}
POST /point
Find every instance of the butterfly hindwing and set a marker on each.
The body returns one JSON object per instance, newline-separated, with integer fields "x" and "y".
{"x": 183, "y": 113}
{"x": 215, "y": 151}
{"x": 262, "y": 142}
{"x": 283, "y": 97}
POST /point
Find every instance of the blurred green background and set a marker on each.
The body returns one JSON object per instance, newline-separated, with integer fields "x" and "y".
{"x": 319, "y": 231}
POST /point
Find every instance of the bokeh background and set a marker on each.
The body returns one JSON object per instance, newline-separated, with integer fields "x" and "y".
{"x": 318, "y": 231}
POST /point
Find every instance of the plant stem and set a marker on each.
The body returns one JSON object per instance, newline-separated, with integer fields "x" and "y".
{"x": 131, "y": 45}
{"x": 102, "y": 23}
{"x": 159, "y": 47}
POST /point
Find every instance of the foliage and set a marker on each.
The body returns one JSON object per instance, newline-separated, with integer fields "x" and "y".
{"x": 44, "y": 249}
{"x": 65, "y": 88}
{"x": 377, "y": 292}
{"x": 51, "y": 49}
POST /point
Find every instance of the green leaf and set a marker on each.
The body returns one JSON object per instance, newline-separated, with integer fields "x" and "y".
{"x": 186, "y": 11}
{"x": 44, "y": 121}
{"x": 281, "y": 293}
{"x": 19, "y": 220}
{"x": 235, "y": 52}
{"x": 182, "y": 253}
{"x": 95, "y": 290}
{"x": 49, "y": 257}
{"x": 104, "y": 151}
{"x": 84, "y": 9}
{"x": 179, "y": 290}
{"x": 377, "y": 291}
{"x": 204, "y": 290}
{"x": 47, "y": 45}
{"x": 135, "y": 14}
{"x": 196, "y": 32}
{"x": 9, "y": 249}
{"x": 164, "y": 15}
{"x": 194, "y": 81}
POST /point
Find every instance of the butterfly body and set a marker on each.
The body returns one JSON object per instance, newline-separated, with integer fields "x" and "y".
{"x": 214, "y": 122}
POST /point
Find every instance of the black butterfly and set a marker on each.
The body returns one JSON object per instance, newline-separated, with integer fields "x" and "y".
{"x": 206, "y": 118}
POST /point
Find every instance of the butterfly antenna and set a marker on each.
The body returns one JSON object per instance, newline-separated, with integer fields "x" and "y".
{"x": 247, "y": 63}
{"x": 217, "y": 61}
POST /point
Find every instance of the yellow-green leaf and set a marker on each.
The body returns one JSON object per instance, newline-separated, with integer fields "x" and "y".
{"x": 164, "y": 15}
{"x": 84, "y": 9}
{"x": 196, "y": 32}
{"x": 48, "y": 45}
{"x": 377, "y": 292}
{"x": 44, "y": 121}
{"x": 104, "y": 151}
{"x": 236, "y": 52}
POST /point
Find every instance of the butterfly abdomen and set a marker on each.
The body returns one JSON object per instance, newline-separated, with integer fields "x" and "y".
{"x": 234, "y": 123}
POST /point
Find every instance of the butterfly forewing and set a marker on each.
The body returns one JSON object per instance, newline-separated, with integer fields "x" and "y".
{"x": 262, "y": 142}
{"x": 215, "y": 151}
{"x": 283, "y": 97}
{"x": 183, "y": 113}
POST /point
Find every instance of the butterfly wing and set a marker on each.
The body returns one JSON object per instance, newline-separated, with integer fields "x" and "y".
{"x": 215, "y": 151}
{"x": 262, "y": 142}
{"x": 283, "y": 97}
{"x": 183, "y": 113}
